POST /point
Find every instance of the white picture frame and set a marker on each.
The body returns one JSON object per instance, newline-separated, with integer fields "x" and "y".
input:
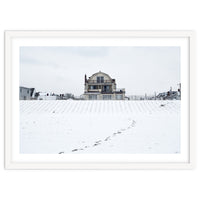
{"x": 11, "y": 162}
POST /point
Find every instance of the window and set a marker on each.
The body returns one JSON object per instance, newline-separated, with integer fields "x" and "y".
{"x": 119, "y": 97}
{"x": 92, "y": 97}
{"x": 106, "y": 97}
{"x": 100, "y": 79}
{"x": 106, "y": 88}
{"x": 93, "y": 87}
{"x": 27, "y": 91}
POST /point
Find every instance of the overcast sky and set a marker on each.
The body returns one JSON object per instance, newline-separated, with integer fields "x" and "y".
{"x": 139, "y": 70}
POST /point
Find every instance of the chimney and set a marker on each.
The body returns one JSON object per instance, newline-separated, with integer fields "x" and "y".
{"x": 85, "y": 78}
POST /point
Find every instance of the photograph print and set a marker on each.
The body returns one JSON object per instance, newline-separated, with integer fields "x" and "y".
{"x": 100, "y": 99}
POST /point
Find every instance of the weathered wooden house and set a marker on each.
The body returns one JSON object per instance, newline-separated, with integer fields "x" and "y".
{"x": 100, "y": 86}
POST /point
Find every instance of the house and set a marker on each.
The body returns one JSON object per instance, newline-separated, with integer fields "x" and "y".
{"x": 100, "y": 86}
{"x": 26, "y": 93}
{"x": 170, "y": 95}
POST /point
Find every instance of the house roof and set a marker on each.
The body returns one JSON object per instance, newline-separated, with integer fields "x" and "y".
{"x": 95, "y": 74}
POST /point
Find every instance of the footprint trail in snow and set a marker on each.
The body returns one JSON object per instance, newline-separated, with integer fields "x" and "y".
{"x": 99, "y": 142}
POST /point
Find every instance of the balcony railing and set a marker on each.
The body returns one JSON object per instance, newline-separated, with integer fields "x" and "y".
{"x": 106, "y": 92}
{"x": 102, "y": 91}
{"x": 98, "y": 82}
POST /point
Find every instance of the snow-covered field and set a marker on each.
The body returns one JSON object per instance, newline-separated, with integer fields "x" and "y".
{"x": 56, "y": 127}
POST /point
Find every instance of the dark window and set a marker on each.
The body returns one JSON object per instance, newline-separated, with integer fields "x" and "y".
{"x": 93, "y": 87}
{"x": 106, "y": 88}
{"x": 100, "y": 79}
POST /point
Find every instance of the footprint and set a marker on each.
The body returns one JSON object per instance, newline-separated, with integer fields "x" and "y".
{"x": 61, "y": 152}
{"x": 133, "y": 123}
{"x": 108, "y": 138}
{"x": 74, "y": 150}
